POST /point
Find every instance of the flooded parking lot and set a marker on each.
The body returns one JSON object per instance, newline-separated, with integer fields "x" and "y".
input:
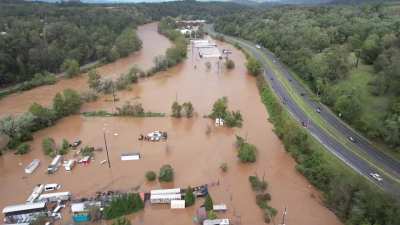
{"x": 194, "y": 154}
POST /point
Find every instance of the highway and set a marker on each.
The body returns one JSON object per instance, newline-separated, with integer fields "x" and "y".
{"x": 359, "y": 155}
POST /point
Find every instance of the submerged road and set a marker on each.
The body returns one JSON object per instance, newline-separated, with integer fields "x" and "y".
{"x": 360, "y": 155}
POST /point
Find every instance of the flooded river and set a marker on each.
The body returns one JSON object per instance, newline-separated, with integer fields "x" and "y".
{"x": 195, "y": 154}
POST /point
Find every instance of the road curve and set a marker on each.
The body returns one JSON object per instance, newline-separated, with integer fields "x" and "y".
{"x": 363, "y": 166}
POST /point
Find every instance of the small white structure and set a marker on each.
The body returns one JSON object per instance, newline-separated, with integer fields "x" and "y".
{"x": 69, "y": 165}
{"x": 130, "y": 156}
{"x": 177, "y": 204}
{"x": 51, "y": 187}
{"x": 164, "y": 198}
{"x": 209, "y": 52}
{"x": 37, "y": 190}
{"x": 219, "y": 122}
{"x": 220, "y": 207}
{"x": 32, "y": 166}
{"x": 53, "y": 167}
{"x": 78, "y": 207}
{"x": 165, "y": 191}
{"x": 54, "y": 197}
{"x": 216, "y": 222}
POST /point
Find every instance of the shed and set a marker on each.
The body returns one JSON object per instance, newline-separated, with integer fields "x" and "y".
{"x": 177, "y": 204}
{"x": 220, "y": 207}
{"x": 130, "y": 156}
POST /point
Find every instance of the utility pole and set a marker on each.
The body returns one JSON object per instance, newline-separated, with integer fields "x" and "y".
{"x": 284, "y": 217}
{"x": 105, "y": 143}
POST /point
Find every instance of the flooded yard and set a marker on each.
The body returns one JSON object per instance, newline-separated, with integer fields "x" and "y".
{"x": 195, "y": 154}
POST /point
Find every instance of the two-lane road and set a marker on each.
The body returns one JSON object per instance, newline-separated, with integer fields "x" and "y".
{"x": 361, "y": 164}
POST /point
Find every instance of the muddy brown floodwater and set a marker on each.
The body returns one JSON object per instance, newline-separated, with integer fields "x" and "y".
{"x": 195, "y": 155}
{"x": 154, "y": 44}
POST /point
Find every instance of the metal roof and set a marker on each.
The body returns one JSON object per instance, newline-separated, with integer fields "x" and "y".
{"x": 21, "y": 207}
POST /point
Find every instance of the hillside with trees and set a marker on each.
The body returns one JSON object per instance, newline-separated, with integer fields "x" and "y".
{"x": 348, "y": 55}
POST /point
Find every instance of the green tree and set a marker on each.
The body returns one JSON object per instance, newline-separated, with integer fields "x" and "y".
{"x": 22, "y": 149}
{"x": 72, "y": 101}
{"x": 94, "y": 80}
{"x": 349, "y": 106}
{"x": 220, "y": 108}
{"x": 229, "y": 64}
{"x": 166, "y": 173}
{"x": 64, "y": 147}
{"x": 208, "y": 203}
{"x": 58, "y": 105}
{"x": 247, "y": 153}
{"x": 190, "y": 198}
{"x": 151, "y": 175}
{"x": 211, "y": 215}
{"x": 49, "y": 146}
{"x": 371, "y": 49}
{"x": 121, "y": 221}
{"x": 253, "y": 66}
{"x": 70, "y": 67}
{"x": 128, "y": 42}
{"x": 188, "y": 109}
{"x": 43, "y": 117}
{"x": 176, "y": 109}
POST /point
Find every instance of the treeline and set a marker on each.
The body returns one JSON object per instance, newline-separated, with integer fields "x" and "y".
{"x": 173, "y": 55}
{"x": 322, "y": 45}
{"x": 40, "y": 37}
{"x": 348, "y": 195}
{"x": 20, "y": 128}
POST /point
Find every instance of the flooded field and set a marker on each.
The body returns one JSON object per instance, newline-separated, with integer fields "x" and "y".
{"x": 194, "y": 154}
{"x": 154, "y": 44}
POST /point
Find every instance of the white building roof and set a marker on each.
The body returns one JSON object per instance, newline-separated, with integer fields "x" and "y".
{"x": 27, "y": 206}
{"x": 169, "y": 196}
{"x": 165, "y": 191}
{"x": 177, "y": 204}
{"x": 219, "y": 207}
{"x": 78, "y": 207}
{"x": 56, "y": 194}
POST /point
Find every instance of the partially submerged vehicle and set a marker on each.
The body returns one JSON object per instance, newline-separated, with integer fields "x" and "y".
{"x": 75, "y": 143}
{"x": 31, "y": 167}
{"x": 154, "y": 136}
{"x": 51, "y": 187}
{"x": 53, "y": 167}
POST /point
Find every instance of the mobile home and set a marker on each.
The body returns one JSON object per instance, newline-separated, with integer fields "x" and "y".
{"x": 165, "y": 191}
{"x": 54, "y": 197}
{"x": 37, "y": 190}
{"x": 32, "y": 166}
{"x": 164, "y": 198}
{"x": 69, "y": 165}
{"x": 53, "y": 167}
{"x": 23, "y": 213}
{"x": 177, "y": 204}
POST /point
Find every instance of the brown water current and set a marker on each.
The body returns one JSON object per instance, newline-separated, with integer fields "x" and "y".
{"x": 195, "y": 155}
{"x": 154, "y": 44}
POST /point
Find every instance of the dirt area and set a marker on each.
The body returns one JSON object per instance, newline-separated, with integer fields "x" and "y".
{"x": 195, "y": 155}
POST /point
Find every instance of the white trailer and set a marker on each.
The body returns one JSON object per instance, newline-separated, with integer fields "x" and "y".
{"x": 164, "y": 198}
{"x": 53, "y": 167}
{"x": 177, "y": 204}
{"x": 216, "y": 222}
{"x": 165, "y": 191}
{"x": 32, "y": 166}
{"x": 130, "y": 156}
{"x": 54, "y": 197}
{"x": 37, "y": 190}
{"x": 220, "y": 207}
{"x": 51, "y": 187}
{"x": 69, "y": 165}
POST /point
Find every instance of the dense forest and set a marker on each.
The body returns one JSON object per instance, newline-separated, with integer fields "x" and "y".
{"x": 326, "y": 46}
{"x": 39, "y": 37}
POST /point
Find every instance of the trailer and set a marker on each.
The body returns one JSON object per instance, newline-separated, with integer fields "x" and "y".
{"x": 164, "y": 198}
{"x": 220, "y": 207}
{"x": 24, "y": 213}
{"x": 32, "y": 166}
{"x": 55, "y": 197}
{"x": 37, "y": 190}
{"x": 130, "y": 156}
{"x": 69, "y": 165}
{"x": 51, "y": 187}
{"x": 216, "y": 222}
{"x": 55, "y": 164}
{"x": 177, "y": 204}
{"x": 165, "y": 191}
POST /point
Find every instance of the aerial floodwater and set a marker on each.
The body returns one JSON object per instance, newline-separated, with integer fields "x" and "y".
{"x": 195, "y": 147}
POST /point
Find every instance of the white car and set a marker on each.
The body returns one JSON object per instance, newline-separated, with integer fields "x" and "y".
{"x": 258, "y": 46}
{"x": 376, "y": 176}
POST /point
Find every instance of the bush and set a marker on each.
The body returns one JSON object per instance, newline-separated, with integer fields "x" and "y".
{"x": 211, "y": 215}
{"x": 166, "y": 173}
{"x": 70, "y": 67}
{"x": 257, "y": 184}
{"x": 176, "y": 109}
{"x": 253, "y": 66}
{"x": 130, "y": 110}
{"x": 151, "y": 175}
{"x": 233, "y": 119}
{"x": 208, "y": 203}
{"x": 87, "y": 151}
{"x": 190, "y": 198}
{"x": 220, "y": 108}
{"x": 188, "y": 109}
{"x": 224, "y": 167}
{"x": 123, "y": 205}
{"x": 262, "y": 200}
{"x": 246, "y": 152}
{"x": 121, "y": 221}
{"x": 49, "y": 146}
{"x": 22, "y": 149}
{"x": 64, "y": 147}
{"x": 229, "y": 64}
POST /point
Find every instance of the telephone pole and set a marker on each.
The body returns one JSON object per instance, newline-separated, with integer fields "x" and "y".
{"x": 105, "y": 143}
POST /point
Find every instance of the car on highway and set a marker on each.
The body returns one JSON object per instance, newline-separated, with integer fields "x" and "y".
{"x": 258, "y": 46}
{"x": 376, "y": 176}
{"x": 318, "y": 110}
{"x": 352, "y": 139}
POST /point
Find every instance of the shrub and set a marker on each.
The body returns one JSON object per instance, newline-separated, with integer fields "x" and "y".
{"x": 87, "y": 151}
{"x": 176, "y": 109}
{"x": 123, "y": 205}
{"x": 253, "y": 66}
{"x": 247, "y": 152}
{"x": 220, "y": 108}
{"x": 48, "y": 146}
{"x": 151, "y": 175}
{"x": 22, "y": 149}
{"x": 166, "y": 173}
{"x": 262, "y": 200}
{"x": 211, "y": 215}
{"x": 64, "y": 147}
{"x": 129, "y": 109}
{"x": 233, "y": 119}
{"x": 190, "y": 198}
{"x": 257, "y": 184}
{"x": 208, "y": 203}
{"x": 70, "y": 67}
{"x": 224, "y": 167}
{"x": 94, "y": 80}
{"x": 121, "y": 221}
{"x": 188, "y": 109}
{"x": 229, "y": 64}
